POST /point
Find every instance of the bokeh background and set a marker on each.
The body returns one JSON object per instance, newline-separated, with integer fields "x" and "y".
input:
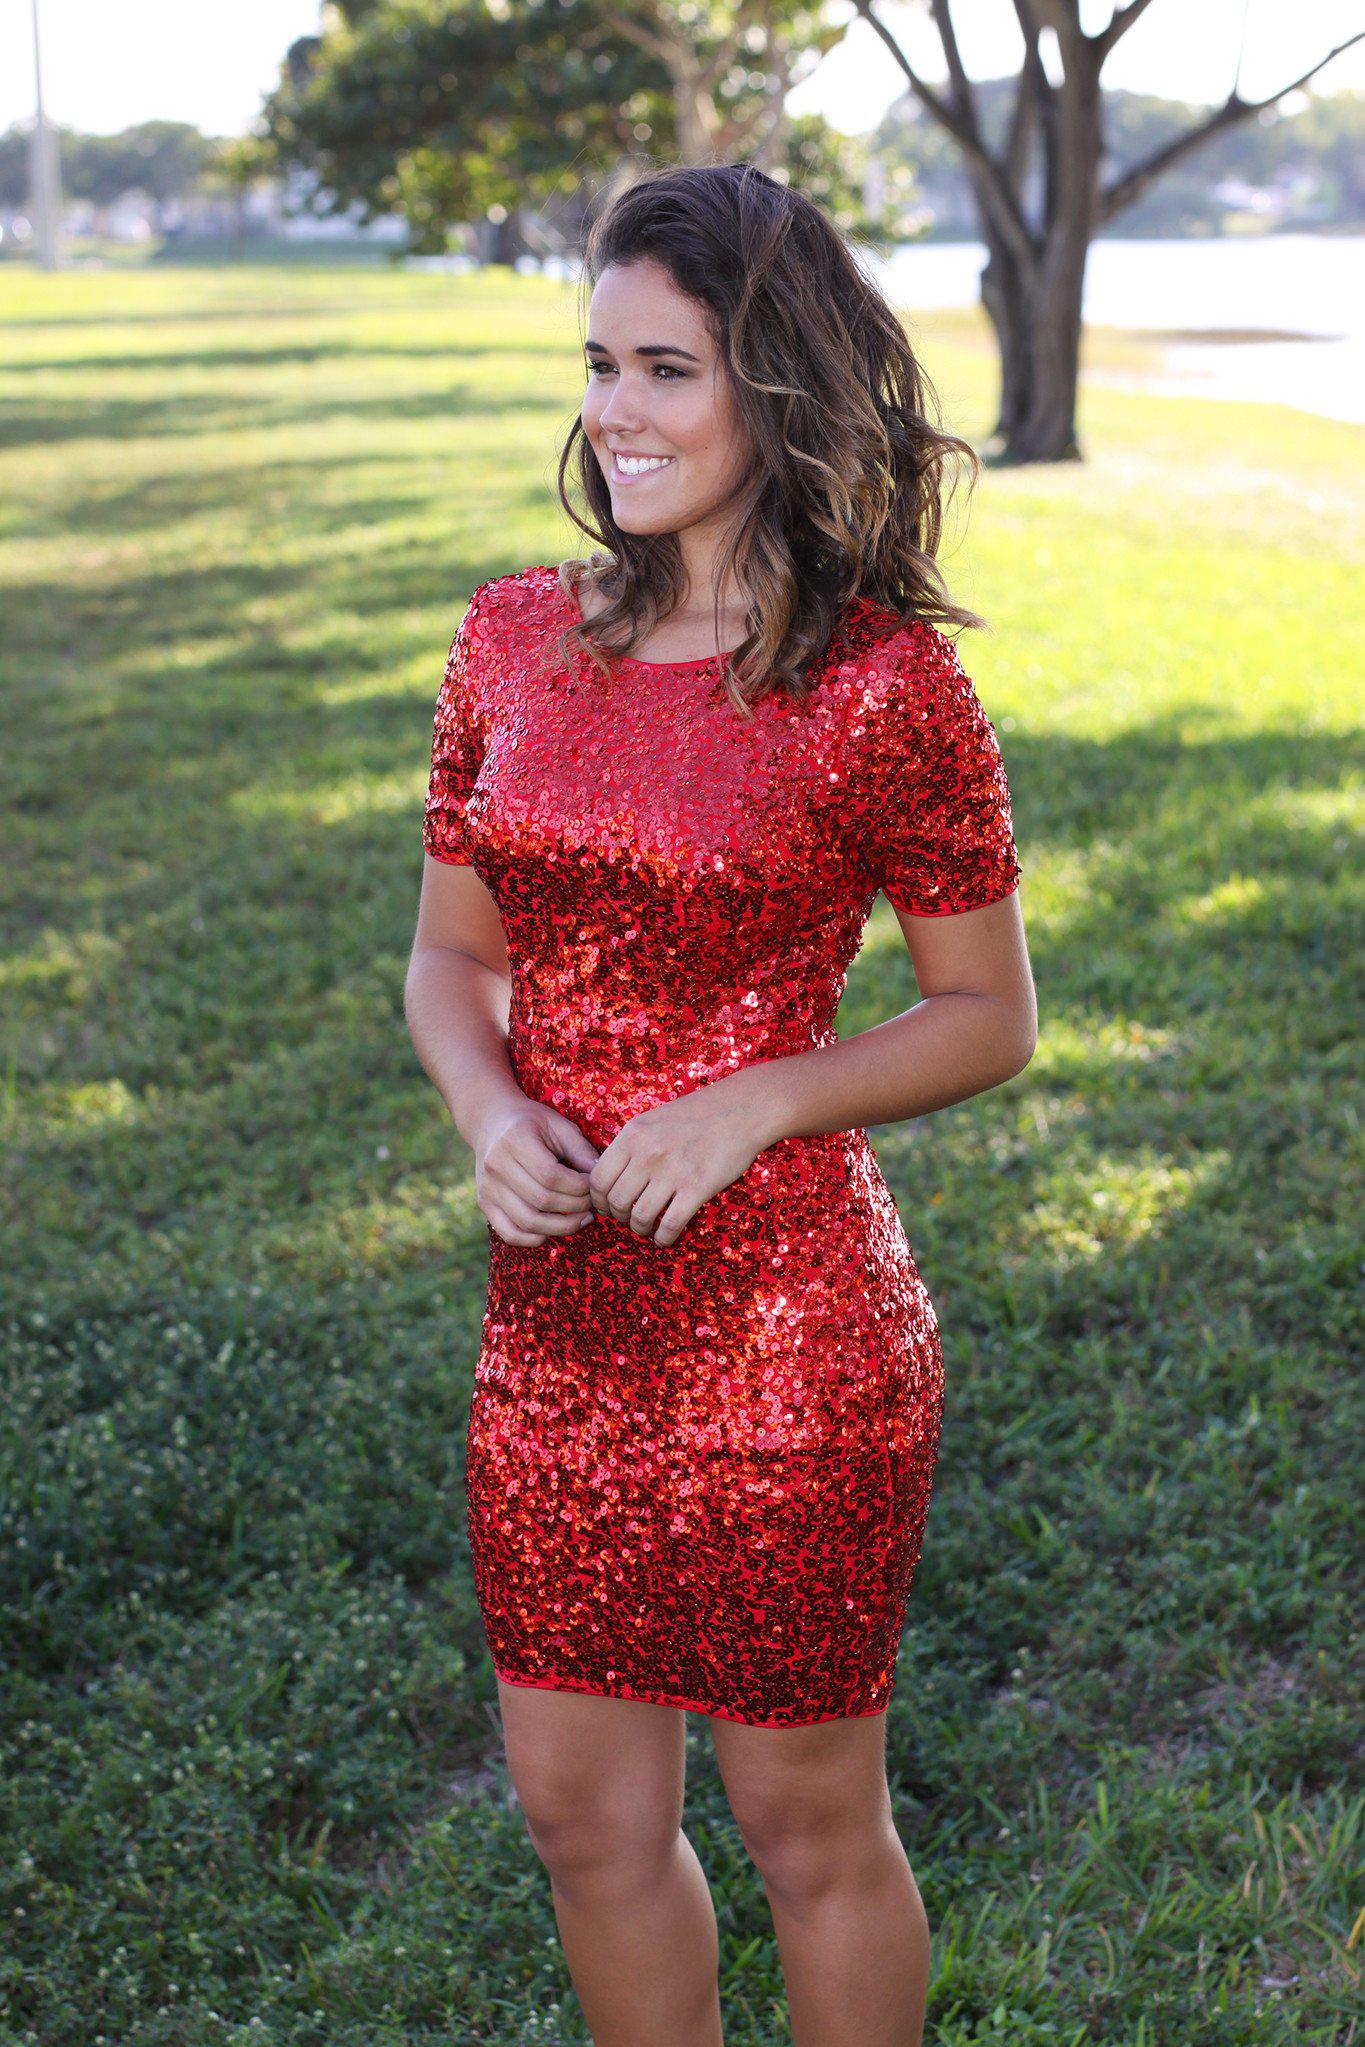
{"x": 289, "y": 338}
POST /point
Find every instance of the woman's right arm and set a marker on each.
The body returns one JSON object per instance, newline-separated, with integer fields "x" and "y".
{"x": 458, "y": 994}
{"x": 531, "y": 1163}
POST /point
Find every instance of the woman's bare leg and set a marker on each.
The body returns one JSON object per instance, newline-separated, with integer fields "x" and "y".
{"x": 600, "y": 1783}
{"x": 814, "y": 1809}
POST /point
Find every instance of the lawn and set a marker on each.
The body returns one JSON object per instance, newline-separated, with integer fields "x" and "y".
{"x": 252, "y": 1788}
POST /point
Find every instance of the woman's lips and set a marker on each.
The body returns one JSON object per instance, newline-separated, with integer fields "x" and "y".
{"x": 619, "y": 475}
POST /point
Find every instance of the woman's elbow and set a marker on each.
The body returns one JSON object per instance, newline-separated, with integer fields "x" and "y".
{"x": 1018, "y": 1039}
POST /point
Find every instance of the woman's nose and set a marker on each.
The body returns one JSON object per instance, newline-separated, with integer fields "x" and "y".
{"x": 620, "y": 420}
{"x": 620, "y": 411}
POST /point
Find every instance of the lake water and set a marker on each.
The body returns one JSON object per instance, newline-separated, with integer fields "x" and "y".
{"x": 1307, "y": 286}
{"x": 1304, "y": 293}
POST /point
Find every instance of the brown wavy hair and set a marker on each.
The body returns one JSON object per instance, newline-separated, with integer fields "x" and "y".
{"x": 842, "y": 497}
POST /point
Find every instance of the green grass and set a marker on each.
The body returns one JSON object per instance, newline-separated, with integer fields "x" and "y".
{"x": 251, "y": 1784}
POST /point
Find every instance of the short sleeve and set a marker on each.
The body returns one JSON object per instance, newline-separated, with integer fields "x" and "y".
{"x": 457, "y": 743}
{"x": 940, "y": 829}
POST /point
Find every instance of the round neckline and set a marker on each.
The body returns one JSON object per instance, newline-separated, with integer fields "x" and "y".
{"x": 635, "y": 661}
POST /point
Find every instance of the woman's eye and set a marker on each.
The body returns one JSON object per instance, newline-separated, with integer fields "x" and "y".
{"x": 668, "y": 368}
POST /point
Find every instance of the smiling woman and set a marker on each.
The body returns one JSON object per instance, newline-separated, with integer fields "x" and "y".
{"x": 707, "y": 1404}
{"x": 664, "y": 432}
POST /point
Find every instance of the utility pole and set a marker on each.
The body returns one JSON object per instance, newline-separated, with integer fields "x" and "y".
{"x": 45, "y": 178}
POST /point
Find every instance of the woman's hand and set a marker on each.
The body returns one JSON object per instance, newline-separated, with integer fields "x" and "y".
{"x": 664, "y": 1163}
{"x": 530, "y": 1172}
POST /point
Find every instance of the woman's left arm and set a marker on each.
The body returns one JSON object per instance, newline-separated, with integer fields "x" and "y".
{"x": 976, "y": 1026}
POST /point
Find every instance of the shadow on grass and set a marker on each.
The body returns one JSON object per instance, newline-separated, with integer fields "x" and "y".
{"x": 177, "y": 417}
{"x": 208, "y": 361}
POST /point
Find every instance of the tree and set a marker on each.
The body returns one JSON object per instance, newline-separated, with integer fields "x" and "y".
{"x": 1032, "y": 283}
{"x": 730, "y": 68}
{"x": 458, "y": 110}
{"x": 164, "y": 159}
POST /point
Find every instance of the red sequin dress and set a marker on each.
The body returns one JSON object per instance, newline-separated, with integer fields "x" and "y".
{"x": 698, "y": 1474}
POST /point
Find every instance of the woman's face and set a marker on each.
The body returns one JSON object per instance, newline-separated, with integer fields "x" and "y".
{"x": 657, "y": 387}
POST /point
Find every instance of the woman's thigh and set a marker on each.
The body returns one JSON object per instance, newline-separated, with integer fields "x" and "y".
{"x": 787, "y": 1785}
{"x": 585, "y": 1766}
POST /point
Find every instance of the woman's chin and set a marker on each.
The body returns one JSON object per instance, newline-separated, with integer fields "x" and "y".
{"x": 634, "y": 519}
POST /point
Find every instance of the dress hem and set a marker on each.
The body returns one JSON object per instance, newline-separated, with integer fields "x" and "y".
{"x": 543, "y": 1684}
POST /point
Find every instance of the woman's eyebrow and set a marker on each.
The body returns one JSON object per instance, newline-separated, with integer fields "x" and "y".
{"x": 649, "y": 348}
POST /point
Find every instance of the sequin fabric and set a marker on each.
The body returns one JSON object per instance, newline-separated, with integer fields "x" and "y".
{"x": 698, "y": 1474}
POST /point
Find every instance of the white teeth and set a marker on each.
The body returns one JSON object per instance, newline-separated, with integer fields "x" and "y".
{"x": 636, "y": 465}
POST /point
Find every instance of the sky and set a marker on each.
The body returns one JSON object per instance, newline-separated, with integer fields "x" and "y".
{"x": 108, "y": 66}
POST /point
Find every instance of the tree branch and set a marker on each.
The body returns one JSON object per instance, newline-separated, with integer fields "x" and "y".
{"x": 750, "y": 14}
{"x": 1033, "y": 101}
{"x": 634, "y": 31}
{"x": 964, "y": 99}
{"x": 1063, "y": 17}
{"x": 1255, "y": 106}
{"x": 1122, "y": 21}
{"x": 994, "y": 191}
{"x": 1112, "y": 199}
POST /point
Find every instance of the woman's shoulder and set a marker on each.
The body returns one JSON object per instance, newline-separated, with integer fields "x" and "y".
{"x": 518, "y": 595}
{"x": 909, "y": 695}
{"x": 895, "y": 657}
{"x": 536, "y": 576}
{"x": 900, "y": 656}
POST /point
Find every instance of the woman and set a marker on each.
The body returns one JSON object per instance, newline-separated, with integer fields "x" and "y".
{"x": 665, "y": 791}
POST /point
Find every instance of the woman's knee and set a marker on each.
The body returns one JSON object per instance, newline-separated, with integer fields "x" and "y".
{"x": 581, "y": 1825}
{"x": 805, "y": 1847}
{"x": 792, "y": 1851}
{"x": 585, "y": 1840}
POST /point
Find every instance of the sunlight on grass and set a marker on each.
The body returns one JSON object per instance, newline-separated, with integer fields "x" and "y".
{"x": 401, "y": 680}
{"x": 358, "y": 796}
{"x": 1108, "y": 1202}
{"x": 1232, "y": 898}
{"x": 90, "y": 1105}
{"x": 405, "y": 1229}
{"x": 1106, "y": 1046}
{"x": 65, "y": 965}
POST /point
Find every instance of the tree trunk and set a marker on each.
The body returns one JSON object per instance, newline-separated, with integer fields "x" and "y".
{"x": 500, "y": 241}
{"x": 1034, "y": 304}
{"x": 1037, "y": 322}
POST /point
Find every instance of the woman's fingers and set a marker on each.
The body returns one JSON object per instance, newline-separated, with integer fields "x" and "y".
{"x": 519, "y": 1223}
{"x": 556, "y": 1189}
